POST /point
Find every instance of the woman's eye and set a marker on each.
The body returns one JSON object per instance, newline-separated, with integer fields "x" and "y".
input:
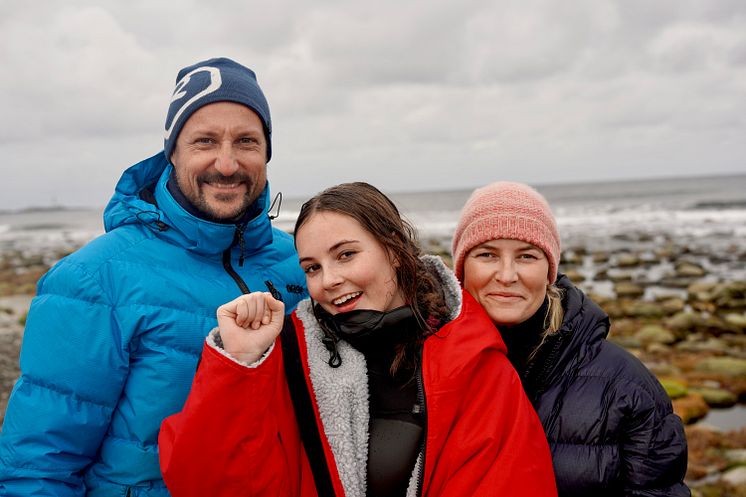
{"x": 346, "y": 254}
{"x": 311, "y": 268}
{"x": 485, "y": 255}
{"x": 528, "y": 257}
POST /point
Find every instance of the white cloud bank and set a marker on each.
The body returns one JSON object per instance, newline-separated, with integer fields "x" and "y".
{"x": 407, "y": 95}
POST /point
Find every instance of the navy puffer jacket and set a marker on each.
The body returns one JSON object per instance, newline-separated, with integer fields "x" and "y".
{"x": 608, "y": 420}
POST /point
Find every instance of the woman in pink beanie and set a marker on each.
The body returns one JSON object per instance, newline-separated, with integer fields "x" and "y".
{"x": 608, "y": 421}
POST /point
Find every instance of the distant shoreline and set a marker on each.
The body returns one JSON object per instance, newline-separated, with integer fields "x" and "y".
{"x": 50, "y": 208}
{"x": 541, "y": 186}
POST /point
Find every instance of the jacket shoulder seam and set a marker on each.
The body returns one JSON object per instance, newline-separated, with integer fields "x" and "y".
{"x": 66, "y": 392}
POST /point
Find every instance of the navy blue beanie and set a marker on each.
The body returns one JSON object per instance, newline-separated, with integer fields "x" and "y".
{"x": 210, "y": 81}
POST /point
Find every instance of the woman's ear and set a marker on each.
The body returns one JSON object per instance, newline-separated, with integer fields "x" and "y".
{"x": 393, "y": 259}
{"x": 395, "y": 263}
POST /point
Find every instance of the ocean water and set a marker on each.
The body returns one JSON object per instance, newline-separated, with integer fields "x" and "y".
{"x": 704, "y": 213}
{"x": 707, "y": 212}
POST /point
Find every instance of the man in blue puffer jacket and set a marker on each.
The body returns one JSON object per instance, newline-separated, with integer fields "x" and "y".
{"x": 113, "y": 336}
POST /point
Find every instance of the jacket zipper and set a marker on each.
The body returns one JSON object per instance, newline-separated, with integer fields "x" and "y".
{"x": 541, "y": 380}
{"x": 423, "y": 406}
{"x": 240, "y": 229}
{"x": 227, "y": 259}
{"x": 536, "y": 381}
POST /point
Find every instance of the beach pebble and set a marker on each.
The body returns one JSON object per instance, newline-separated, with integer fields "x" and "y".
{"x": 735, "y": 476}
{"x": 571, "y": 258}
{"x": 690, "y": 408}
{"x": 625, "y": 289}
{"x": 709, "y": 345}
{"x": 736, "y": 456}
{"x": 654, "y": 333}
{"x": 716, "y": 397}
{"x": 665, "y": 252}
{"x": 701, "y": 290}
{"x": 683, "y": 321}
{"x": 642, "y": 309}
{"x": 672, "y": 305}
{"x": 658, "y": 349}
{"x": 689, "y": 270}
{"x": 663, "y": 368}
{"x": 575, "y": 276}
{"x": 673, "y": 281}
{"x": 731, "y": 295}
{"x": 627, "y": 260}
{"x": 674, "y": 389}
{"x": 649, "y": 258}
{"x": 617, "y": 275}
{"x": 599, "y": 257}
{"x": 729, "y": 366}
{"x": 736, "y": 320}
{"x": 627, "y": 342}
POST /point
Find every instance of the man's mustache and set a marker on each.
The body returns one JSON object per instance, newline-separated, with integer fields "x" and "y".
{"x": 215, "y": 177}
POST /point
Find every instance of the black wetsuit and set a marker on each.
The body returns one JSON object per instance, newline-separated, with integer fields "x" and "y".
{"x": 395, "y": 427}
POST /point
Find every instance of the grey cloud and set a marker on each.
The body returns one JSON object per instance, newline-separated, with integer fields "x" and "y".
{"x": 402, "y": 94}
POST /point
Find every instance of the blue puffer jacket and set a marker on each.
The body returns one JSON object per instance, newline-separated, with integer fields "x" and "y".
{"x": 114, "y": 334}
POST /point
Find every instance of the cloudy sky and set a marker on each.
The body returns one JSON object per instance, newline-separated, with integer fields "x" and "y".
{"x": 408, "y": 95}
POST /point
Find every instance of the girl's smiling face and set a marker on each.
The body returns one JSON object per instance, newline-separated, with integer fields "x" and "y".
{"x": 346, "y": 267}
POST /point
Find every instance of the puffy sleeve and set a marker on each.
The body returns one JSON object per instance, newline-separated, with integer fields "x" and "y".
{"x": 74, "y": 363}
{"x": 232, "y": 436}
{"x": 653, "y": 449}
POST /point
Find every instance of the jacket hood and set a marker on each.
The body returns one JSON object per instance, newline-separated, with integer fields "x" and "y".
{"x": 142, "y": 198}
{"x": 448, "y": 283}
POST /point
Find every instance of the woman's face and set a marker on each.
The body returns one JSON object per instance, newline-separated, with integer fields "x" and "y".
{"x": 346, "y": 267}
{"x": 508, "y": 278}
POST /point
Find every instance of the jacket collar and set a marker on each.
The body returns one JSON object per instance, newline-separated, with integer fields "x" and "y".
{"x": 169, "y": 220}
{"x": 584, "y": 328}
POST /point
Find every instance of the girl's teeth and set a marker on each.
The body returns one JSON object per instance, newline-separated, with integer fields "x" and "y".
{"x": 344, "y": 299}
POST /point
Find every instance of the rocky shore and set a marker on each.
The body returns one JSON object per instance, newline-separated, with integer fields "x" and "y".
{"x": 677, "y": 305}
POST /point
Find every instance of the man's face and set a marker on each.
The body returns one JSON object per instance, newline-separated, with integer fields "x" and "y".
{"x": 220, "y": 159}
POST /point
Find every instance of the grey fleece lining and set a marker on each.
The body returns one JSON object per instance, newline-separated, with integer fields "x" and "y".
{"x": 342, "y": 393}
{"x": 215, "y": 341}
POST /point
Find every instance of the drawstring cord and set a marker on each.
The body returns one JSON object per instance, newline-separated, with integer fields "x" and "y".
{"x": 277, "y": 200}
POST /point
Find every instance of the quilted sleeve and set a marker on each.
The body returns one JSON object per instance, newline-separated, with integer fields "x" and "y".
{"x": 74, "y": 363}
{"x": 654, "y": 449}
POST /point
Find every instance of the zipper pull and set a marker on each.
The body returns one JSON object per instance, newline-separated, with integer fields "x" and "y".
{"x": 240, "y": 228}
{"x": 277, "y": 200}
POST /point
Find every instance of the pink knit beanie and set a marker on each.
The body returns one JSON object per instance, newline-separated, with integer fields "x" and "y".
{"x": 506, "y": 210}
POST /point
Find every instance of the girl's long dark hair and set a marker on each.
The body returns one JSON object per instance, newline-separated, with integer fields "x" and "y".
{"x": 378, "y": 215}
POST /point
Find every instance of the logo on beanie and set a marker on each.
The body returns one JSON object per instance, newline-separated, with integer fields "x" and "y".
{"x": 211, "y": 86}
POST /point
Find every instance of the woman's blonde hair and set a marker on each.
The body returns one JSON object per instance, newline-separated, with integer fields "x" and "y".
{"x": 555, "y": 312}
{"x": 552, "y": 319}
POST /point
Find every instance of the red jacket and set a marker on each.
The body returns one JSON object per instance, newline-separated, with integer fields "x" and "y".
{"x": 237, "y": 433}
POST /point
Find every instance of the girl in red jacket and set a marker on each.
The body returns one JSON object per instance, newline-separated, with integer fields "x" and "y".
{"x": 389, "y": 381}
